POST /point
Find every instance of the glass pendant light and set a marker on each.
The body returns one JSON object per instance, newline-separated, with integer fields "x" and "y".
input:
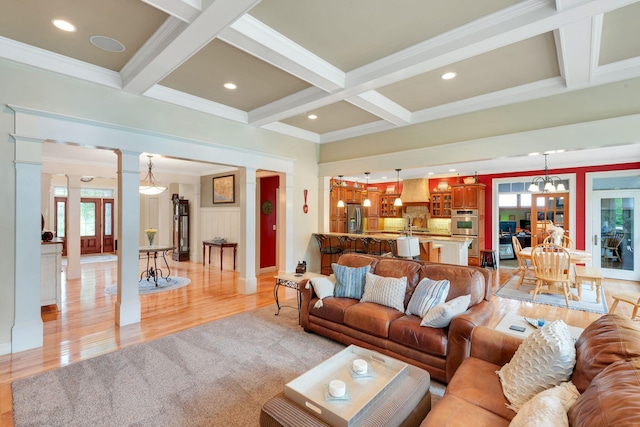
{"x": 367, "y": 202}
{"x": 340, "y": 201}
{"x": 398, "y": 201}
{"x": 149, "y": 185}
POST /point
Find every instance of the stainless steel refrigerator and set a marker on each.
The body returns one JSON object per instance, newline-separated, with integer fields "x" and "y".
{"x": 354, "y": 221}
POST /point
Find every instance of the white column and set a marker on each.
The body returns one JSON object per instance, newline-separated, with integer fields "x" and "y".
{"x": 45, "y": 201}
{"x": 73, "y": 227}
{"x": 247, "y": 283}
{"x": 289, "y": 262}
{"x": 128, "y": 301}
{"x": 27, "y": 331}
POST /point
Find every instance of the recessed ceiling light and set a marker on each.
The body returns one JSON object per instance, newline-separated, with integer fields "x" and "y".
{"x": 63, "y": 25}
{"x": 430, "y": 173}
{"x": 312, "y": 117}
{"x": 448, "y": 76}
{"x": 107, "y": 43}
{"x": 452, "y": 170}
{"x": 230, "y": 86}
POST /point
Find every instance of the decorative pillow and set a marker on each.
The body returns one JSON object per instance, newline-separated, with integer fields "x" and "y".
{"x": 441, "y": 315}
{"x": 323, "y": 287}
{"x": 349, "y": 280}
{"x": 387, "y": 291}
{"x": 427, "y": 295}
{"x": 544, "y": 359}
{"x": 547, "y": 408}
{"x": 546, "y": 411}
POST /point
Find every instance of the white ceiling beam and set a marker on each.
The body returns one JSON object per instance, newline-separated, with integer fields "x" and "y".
{"x": 177, "y": 42}
{"x": 524, "y": 20}
{"x": 261, "y": 41}
{"x": 381, "y": 106}
{"x": 184, "y": 10}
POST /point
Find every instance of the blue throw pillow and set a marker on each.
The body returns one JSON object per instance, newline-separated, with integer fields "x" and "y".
{"x": 428, "y": 294}
{"x": 349, "y": 280}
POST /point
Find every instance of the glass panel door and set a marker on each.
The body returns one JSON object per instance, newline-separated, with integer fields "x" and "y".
{"x": 90, "y": 226}
{"x": 615, "y": 215}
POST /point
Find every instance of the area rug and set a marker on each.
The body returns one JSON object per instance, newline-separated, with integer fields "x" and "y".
{"x": 149, "y": 286}
{"x": 217, "y": 374}
{"x": 587, "y": 303}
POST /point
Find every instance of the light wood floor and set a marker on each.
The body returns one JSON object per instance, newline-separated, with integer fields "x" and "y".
{"x": 85, "y": 326}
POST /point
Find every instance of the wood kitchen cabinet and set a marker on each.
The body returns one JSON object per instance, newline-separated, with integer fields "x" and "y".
{"x": 351, "y": 195}
{"x": 336, "y": 214}
{"x": 387, "y": 210}
{"x": 548, "y": 209}
{"x": 467, "y": 196}
{"x": 441, "y": 205}
{"x": 373, "y": 211}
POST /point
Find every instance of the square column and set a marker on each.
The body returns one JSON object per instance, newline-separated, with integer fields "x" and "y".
{"x": 27, "y": 331}
{"x": 247, "y": 283}
{"x": 128, "y": 309}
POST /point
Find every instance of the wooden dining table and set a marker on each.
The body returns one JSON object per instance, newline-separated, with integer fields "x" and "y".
{"x": 576, "y": 256}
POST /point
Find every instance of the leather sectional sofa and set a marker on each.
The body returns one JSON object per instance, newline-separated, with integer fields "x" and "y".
{"x": 607, "y": 374}
{"x": 438, "y": 350}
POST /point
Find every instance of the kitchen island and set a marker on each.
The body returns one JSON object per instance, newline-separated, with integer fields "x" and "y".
{"x": 452, "y": 249}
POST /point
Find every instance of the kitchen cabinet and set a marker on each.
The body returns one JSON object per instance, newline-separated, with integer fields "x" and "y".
{"x": 373, "y": 211}
{"x": 467, "y": 196}
{"x": 387, "y": 210}
{"x": 351, "y": 195}
{"x": 441, "y": 205}
{"x": 548, "y": 209}
{"x": 336, "y": 214}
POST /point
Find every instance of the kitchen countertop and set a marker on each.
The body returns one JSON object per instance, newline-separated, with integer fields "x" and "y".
{"x": 390, "y": 235}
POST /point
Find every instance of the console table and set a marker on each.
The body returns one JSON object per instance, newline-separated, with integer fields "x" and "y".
{"x": 152, "y": 271}
{"x": 222, "y": 246}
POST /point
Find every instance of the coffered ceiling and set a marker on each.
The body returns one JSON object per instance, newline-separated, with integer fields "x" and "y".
{"x": 360, "y": 66}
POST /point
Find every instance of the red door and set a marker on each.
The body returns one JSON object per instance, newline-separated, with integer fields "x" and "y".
{"x": 268, "y": 204}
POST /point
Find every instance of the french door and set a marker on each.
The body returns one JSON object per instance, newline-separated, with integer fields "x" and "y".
{"x": 96, "y": 224}
{"x": 615, "y": 216}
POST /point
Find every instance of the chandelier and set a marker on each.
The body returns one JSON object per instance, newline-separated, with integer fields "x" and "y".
{"x": 546, "y": 182}
{"x": 149, "y": 185}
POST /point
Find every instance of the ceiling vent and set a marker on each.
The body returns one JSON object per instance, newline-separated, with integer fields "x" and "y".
{"x": 107, "y": 43}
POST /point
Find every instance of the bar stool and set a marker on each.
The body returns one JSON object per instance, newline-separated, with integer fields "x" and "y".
{"x": 349, "y": 244}
{"x": 378, "y": 246}
{"x": 488, "y": 259}
{"x": 328, "y": 252}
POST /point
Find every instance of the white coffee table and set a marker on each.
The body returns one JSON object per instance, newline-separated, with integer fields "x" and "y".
{"x": 517, "y": 320}
{"x": 291, "y": 280}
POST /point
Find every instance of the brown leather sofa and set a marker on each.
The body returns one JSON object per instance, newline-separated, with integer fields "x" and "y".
{"x": 386, "y": 330}
{"x": 607, "y": 374}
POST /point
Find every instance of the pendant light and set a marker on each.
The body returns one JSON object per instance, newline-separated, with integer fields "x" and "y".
{"x": 367, "y": 202}
{"x": 149, "y": 185}
{"x": 547, "y": 182}
{"x": 398, "y": 201}
{"x": 340, "y": 201}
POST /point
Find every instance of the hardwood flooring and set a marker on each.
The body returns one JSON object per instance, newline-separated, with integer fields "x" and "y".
{"x": 85, "y": 327}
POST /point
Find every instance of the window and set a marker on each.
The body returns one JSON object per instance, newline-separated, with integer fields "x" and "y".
{"x": 508, "y": 200}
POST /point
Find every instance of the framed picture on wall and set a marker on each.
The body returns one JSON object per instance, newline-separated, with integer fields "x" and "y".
{"x": 224, "y": 189}
{"x": 527, "y": 215}
{"x": 512, "y": 217}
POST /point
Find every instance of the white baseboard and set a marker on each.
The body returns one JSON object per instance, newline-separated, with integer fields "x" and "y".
{"x": 5, "y": 348}
{"x": 267, "y": 270}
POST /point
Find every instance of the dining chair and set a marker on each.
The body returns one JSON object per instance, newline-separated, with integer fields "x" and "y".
{"x": 551, "y": 268}
{"x": 523, "y": 265}
{"x": 631, "y": 298}
{"x": 565, "y": 243}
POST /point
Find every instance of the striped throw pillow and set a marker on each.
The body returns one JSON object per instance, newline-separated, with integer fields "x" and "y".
{"x": 428, "y": 294}
{"x": 387, "y": 291}
{"x": 349, "y": 280}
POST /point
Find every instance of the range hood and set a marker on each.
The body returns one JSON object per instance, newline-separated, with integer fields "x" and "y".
{"x": 415, "y": 191}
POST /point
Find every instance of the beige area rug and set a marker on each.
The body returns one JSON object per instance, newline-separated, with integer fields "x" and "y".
{"x": 587, "y": 302}
{"x": 149, "y": 286}
{"x": 217, "y": 374}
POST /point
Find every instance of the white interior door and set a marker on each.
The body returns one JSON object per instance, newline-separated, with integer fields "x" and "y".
{"x": 613, "y": 237}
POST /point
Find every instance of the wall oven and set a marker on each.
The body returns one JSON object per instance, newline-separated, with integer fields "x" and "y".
{"x": 464, "y": 222}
